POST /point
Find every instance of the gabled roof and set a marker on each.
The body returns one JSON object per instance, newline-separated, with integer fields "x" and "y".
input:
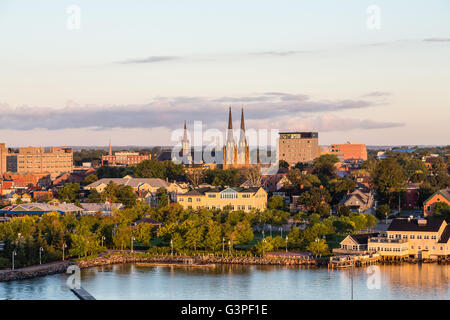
{"x": 132, "y": 182}
{"x": 443, "y": 192}
{"x": 405, "y": 224}
{"x": 445, "y": 235}
{"x": 363, "y": 238}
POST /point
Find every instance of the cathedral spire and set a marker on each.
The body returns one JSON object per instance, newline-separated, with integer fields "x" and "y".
{"x": 242, "y": 120}
{"x": 110, "y": 150}
{"x": 230, "y": 122}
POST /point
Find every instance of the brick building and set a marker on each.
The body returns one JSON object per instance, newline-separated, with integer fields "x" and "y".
{"x": 349, "y": 151}
{"x": 297, "y": 147}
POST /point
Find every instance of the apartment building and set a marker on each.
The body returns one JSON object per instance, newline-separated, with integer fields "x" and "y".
{"x": 54, "y": 160}
{"x": 414, "y": 238}
{"x": 294, "y": 147}
{"x": 246, "y": 199}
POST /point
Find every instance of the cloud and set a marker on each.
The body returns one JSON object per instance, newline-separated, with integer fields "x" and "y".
{"x": 171, "y": 112}
{"x": 377, "y": 94}
{"x": 152, "y": 59}
{"x": 280, "y": 53}
{"x": 437, "y": 40}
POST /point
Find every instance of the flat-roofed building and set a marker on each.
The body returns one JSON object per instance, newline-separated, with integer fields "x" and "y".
{"x": 294, "y": 147}
{"x": 349, "y": 151}
{"x": 246, "y": 199}
{"x": 54, "y": 160}
{"x": 124, "y": 159}
{"x": 418, "y": 238}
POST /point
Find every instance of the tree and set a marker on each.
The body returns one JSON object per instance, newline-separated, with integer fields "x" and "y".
{"x": 213, "y": 237}
{"x": 143, "y": 233}
{"x": 383, "y": 211}
{"x": 94, "y": 196}
{"x": 69, "y": 192}
{"x": 126, "y": 196}
{"x": 339, "y": 187}
{"x": 253, "y": 176}
{"x": 90, "y": 179}
{"x": 276, "y": 202}
{"x": 282, "y": 164}
{"x": 122, "y": 236}
{"x": 313, "y": 198}
{"x": 163, "y": 197}
{"x": 389, "y": 178}
{"x": 324, "y": 166}
{"x": 343, "y": 211}
{"x": 264, "y": 246}
{"x": 318, "y": 247}
{"x": 442, "y": 209}
{"x": 151, "y": 169}
{"x": 196, "y": 176}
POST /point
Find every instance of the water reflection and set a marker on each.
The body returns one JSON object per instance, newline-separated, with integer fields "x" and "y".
{"x": 129, "y": 281}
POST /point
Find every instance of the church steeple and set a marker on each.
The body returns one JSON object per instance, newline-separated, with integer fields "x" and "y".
{"x": 242, "y": 120}
{"x": 230, "y": 122}
{"x": 110, "y": 149}
{"x": 186, "y": 152}
{"x": 243, "y": 156}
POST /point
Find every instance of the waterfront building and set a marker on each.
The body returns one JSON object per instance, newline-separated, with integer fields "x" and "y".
{"x": 439, "y": 196}
{"x": 413, "y": 238}
{"x": 246, "y": 199}
{"x": 294, "y": 147}
{"x": 355, "y": 244}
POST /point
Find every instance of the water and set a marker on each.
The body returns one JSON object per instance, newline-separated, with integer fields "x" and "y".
{"x": 128, "y": 281}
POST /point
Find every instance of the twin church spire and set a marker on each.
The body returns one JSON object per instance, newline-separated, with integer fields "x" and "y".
{"x": 233, "y": 155}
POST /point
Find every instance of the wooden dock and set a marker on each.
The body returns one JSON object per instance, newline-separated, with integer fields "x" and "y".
{"x": 345, "y": 261}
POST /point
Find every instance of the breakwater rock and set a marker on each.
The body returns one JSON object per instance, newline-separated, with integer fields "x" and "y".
{"x": 35, "y": 271}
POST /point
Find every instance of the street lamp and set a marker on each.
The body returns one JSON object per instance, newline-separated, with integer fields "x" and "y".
{"x": 229, "y": 246}
{"x": 263, "y": 247}
{"x": 14, "y": 253}
{"x": 103, "y": 238}
{"x": 270, "y": 228}
{"x": 287, "y": 238}
{"x": 171, "y": 245}
{"x": 63, "y": 247}
{"x": 223, "y": 246}
{"x": 281, "y": 230}
{"x": 132, "y": 244}
{"x": 40, "y": 254}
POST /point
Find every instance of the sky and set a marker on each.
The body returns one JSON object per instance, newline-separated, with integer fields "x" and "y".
{"x": 84, "y": 72}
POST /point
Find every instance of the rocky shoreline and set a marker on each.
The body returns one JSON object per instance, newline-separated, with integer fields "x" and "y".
{"x": 111, "y": 259}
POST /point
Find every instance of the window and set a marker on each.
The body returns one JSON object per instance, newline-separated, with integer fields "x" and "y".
{"x": 189, "y": 199}
{"x": 405, "y": 236}
{"x": 211, "y": 195}
{"x": 199, "y": 199}
{"x": 433, "y": 237}
{"x": 426, "y": 237}
{"x": 249, "y": 207}
{"x": 411, "y": 236}
{"x": 419, "y": 237}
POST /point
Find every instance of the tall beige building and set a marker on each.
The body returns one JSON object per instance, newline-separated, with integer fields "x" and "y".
{"x": 55, "y": 160}
{"x": 294, "y": 147}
